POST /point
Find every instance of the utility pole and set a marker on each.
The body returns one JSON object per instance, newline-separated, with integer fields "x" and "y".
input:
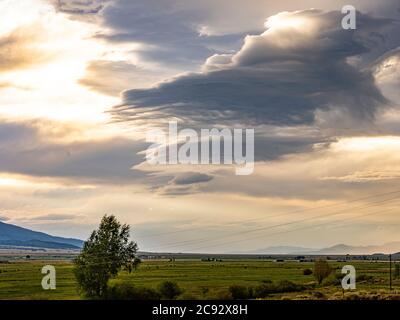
{"x": 390, "y": 270}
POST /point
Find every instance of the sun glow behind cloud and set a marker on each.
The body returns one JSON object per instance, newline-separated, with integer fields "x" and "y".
{"x": 368, "y": 144}
{"x": 30, "y": 183}
{"x": 49, "y": 88}
{"x": 5, "y": 182}
{"x": 285, "y": 20}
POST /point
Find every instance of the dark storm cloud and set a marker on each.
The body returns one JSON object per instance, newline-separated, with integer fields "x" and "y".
{"x": 24, "y": 150}
{"x": 272, "y": 146}
{"x": 181, "y": 34}
{"x": 170, "y": 29}
{"x": 272, "y": 82}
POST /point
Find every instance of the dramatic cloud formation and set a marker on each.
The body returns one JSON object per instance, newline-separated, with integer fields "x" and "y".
{"x": 169, "y": 30}
{"x": 27, "y": 149}
{"x": 295, "y": 82}
{"x": 280, "y": 77}
{"x": 182, "y": 34}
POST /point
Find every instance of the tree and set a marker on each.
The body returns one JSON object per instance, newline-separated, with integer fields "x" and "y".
{"x": 133, "y": 264}
{"x": 107, "y": 250}
{"x": 240, "y": 292}
{"x": 169, "y": 290}
{"x": 307, "y": 272}
{"x": 136, "y": 263}
{"x": 322, "y": 270}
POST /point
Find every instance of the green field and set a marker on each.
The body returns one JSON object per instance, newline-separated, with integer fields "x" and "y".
{"x": 202, "y": 280}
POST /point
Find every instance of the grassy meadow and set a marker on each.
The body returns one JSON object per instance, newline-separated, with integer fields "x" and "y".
{"x": 202, "y": 279}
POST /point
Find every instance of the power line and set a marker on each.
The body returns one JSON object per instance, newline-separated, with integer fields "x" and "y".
{"x": 278, "y": 215}
{"x": 294, "y": 230}
{"x": 201, "y": 240}
{"x": 275, "y": 226}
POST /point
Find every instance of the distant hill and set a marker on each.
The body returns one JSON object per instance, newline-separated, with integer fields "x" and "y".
{"x": 11, "y": 235}
{"x": 340, "y": 249}
{"x": 37, "y": 244}
{"x": 390, "y": 247}
{"x": 282, "y": 250}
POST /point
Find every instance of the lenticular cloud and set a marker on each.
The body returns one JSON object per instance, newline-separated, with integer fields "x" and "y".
{"x": 299, "y": 65}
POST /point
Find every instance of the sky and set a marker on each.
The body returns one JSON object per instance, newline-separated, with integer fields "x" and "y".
{"x": 83, "y": 81}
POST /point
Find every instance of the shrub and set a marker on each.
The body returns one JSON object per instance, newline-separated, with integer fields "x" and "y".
{"x": 288, "y": 286}
{"x": 126, "y": 291}
{"x": 307, "y": 272}
{"x": 364, "y": 296}
{"x": 284, "y": 286}
{"x": 264, "y": 290}
{"x": 319, "y": 295}
{"x": 204, "y": 291}
{"x": 321, "y": 270}
{"x": 397, "y": 271}
{"x": 188, "y": 296}
{"x": 221, "y": 294}
{"x": 334, "y": 279}
{"x": 169, "y": 290}
{"x": 240, "y": 292}
{"x": 364, "y": 277}
{"x": 266, "y": 281}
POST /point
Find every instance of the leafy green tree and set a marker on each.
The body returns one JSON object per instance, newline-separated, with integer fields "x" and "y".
{"x": 133, "y": 264}
{"x": 307, "y": 272}
{"x": 107, "y": 250}
{"x": 136, "y": 263}
{"x": 322, "y": 270}
{"x": 169, "y": 290}
{"x": 240, "y": 292}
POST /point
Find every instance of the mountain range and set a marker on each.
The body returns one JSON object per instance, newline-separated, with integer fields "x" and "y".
{"x": 339, "y": 249}
{"x": 14, "y": 236}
